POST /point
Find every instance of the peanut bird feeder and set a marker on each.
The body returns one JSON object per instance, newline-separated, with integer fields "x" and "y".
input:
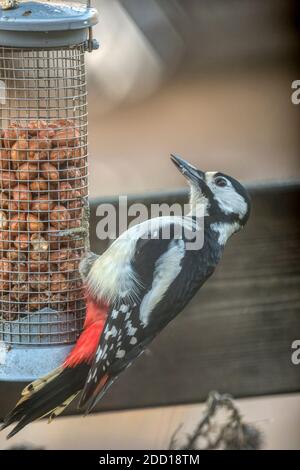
{"x": 43, "y": 182}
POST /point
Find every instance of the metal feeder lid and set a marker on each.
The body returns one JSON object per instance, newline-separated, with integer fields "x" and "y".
{"x": 39, "y": 25}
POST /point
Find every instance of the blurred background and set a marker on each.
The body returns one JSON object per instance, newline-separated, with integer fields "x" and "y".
{"x": 210, "y": 80}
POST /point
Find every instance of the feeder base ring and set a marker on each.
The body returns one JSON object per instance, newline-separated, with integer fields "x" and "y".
{"x": 25, "y": 364}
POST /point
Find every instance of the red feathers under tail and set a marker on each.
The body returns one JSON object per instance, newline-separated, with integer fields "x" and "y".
{"x": 50, "y": 395}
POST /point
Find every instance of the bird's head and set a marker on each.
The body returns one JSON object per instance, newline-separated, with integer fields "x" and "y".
{"x": 223, "y": 197}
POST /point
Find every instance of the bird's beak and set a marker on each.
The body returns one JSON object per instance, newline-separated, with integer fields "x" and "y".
{"x": 189, "y": 171}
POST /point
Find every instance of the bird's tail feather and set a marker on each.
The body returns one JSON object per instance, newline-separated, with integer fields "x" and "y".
{"x": 88, "y": 403}
{"x": 47, "y": 396}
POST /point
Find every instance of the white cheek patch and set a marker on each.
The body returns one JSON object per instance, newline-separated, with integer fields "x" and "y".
{"x": 228, "y": 199}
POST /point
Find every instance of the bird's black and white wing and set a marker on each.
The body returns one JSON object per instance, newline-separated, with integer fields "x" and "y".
{"x": 140, "y": 310}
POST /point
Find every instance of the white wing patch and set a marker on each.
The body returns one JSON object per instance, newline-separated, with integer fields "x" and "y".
{"x": 114, "y": 314}
{"x": 120, "y": 353}
{"x": 113, "y": 332}
{"x": 124, "y": 308}
{"x": 167, "y": 268}
{"x": 131, "y": 330}
{"x": 133, "y": 340}
{"x": 112, "y": 272}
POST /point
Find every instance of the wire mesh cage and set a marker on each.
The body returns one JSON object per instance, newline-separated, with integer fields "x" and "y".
{"x": 43, "y": 184}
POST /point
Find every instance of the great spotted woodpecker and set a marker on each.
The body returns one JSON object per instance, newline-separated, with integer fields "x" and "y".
{"x": 135, "y": 289}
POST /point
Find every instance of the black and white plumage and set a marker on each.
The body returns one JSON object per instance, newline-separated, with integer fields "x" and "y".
{"x": 142, "y": 281}
{"x": 147, "y": 280}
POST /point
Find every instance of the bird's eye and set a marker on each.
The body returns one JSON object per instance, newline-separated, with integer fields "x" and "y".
{"x": 220, "y": 181}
